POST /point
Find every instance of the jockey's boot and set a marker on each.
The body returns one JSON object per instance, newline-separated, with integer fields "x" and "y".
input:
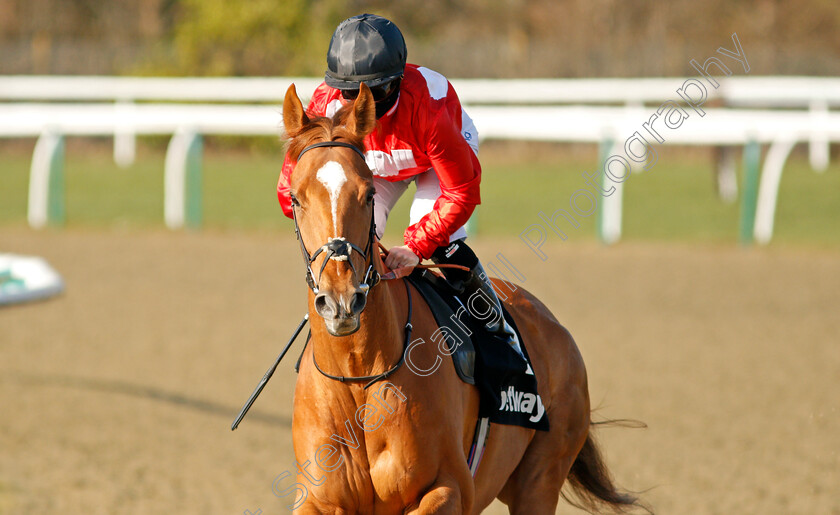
{"x": 483, "y": 304}
{"x": 479, "y": 296}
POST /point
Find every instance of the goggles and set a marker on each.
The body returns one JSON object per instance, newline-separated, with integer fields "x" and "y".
{"x": 379, "y": 93}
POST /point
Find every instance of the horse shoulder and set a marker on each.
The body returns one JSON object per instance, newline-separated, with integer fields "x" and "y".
{"x": 412, "y": 445}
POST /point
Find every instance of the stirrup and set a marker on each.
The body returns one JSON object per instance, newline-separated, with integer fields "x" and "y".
{"x": 480, "y": 281}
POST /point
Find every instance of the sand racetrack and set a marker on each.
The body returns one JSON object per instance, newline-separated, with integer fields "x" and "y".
{"x": 117, "y": 397}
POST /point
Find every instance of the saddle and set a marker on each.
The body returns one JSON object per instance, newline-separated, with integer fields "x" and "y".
{"x": 507, "y": 385}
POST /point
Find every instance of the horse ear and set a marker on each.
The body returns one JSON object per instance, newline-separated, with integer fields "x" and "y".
{"x": 294, "y": 117}
{"x": 362, "y": 119}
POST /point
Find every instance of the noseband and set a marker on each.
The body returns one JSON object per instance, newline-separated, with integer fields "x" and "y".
{"x": 338, "y": 249}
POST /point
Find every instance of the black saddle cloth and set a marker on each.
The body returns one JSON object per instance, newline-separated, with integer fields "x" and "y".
{"x": 507, "y": 385}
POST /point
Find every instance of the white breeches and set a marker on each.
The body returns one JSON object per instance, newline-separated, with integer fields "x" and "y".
{"x": 428, "y": 191}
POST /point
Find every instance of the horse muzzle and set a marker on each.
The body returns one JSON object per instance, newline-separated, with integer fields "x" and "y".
{"x": 341, "y": 312}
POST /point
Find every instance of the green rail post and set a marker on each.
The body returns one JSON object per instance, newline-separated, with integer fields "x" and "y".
{"x": 193, "y": 208}
{"x": 749, "y": 195}
{"x": 182, "y": 205}
{"x": 56, "y": 211}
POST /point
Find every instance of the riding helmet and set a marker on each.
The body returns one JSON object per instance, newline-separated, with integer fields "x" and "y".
{"x": 365, "y": 48}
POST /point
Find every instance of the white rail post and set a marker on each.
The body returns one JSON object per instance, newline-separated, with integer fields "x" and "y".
{"x": 768, "y": 192}
{"x": 125, "y": 139}
{"x": 46, "y": 181}
{"x": 726, "y": 173}
{"x": 610, "y": 207}
{"x": 182, "y": 180}
{"x": 752, "y": 163}
{"x": 818, "y": 147}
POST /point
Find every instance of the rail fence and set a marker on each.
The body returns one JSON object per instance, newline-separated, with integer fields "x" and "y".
{"x": 749, "y": 111}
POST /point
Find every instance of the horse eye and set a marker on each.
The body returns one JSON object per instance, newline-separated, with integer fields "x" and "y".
{"x": 294, "y": 200}
{"x": 370, "y": 195}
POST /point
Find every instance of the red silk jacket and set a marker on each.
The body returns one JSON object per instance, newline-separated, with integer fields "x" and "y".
{"x": 426, "y": 129}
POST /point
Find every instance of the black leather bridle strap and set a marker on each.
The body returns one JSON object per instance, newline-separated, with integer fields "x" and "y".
{"x": 336, "y": 249}
{"x": 384, "y": 375}
{"x": 332, "y": 144}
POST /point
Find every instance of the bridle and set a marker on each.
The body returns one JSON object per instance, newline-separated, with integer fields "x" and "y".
{"x": 338, "y": 248}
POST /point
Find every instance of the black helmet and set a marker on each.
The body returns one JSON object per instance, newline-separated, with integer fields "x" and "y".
{"x": 365, "y": 48}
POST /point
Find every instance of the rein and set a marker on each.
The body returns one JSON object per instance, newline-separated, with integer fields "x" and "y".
{"x": 404, "y": 271}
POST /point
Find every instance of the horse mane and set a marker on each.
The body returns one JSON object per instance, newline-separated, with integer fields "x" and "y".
{"x": 322, "y": 128}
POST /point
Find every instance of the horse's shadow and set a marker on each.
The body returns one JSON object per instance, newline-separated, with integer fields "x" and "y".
{"x": 148, "y": 392}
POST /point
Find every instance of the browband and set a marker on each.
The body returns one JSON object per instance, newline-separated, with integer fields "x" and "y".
{"x": 331, "y": 144}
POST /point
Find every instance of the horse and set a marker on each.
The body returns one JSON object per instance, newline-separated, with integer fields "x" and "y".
{"x": 384, "y": 439}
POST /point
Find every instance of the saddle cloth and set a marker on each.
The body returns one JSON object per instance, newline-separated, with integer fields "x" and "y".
{"x": 507, "y": 385}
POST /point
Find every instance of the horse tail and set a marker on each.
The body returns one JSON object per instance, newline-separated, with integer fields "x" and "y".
{"x": 591, "y": 483}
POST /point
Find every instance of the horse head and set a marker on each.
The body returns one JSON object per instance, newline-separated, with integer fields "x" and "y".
{"x": 332, "y": 201}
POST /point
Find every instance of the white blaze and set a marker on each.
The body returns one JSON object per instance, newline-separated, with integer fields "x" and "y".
{"x": 332, "y": 176}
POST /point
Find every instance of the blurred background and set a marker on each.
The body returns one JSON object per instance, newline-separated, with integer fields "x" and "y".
{"x": 704, "y": 297}
{"x": 509, "y": 38}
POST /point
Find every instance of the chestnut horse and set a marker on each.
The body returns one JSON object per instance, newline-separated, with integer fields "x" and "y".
{"x": 371, "y": 436}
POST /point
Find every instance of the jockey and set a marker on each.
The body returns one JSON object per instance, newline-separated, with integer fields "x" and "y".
{"x": 423, "y": 136}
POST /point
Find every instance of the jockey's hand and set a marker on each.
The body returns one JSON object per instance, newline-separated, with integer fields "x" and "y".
{"x": 401, "y": 256}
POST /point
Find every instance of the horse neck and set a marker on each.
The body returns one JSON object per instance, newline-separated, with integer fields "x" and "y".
{"x": 377, "y": 345}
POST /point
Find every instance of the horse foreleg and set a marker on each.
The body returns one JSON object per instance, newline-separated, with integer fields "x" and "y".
{"x": 441, "y": 499}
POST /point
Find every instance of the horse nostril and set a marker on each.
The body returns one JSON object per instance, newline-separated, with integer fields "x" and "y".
{"x": 358, "y": 303}
{"x": 325, "y": 305}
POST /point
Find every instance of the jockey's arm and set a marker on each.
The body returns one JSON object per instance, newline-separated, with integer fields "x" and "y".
{"x": 283, "y": 188}
{"x": 459, "y": 172}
